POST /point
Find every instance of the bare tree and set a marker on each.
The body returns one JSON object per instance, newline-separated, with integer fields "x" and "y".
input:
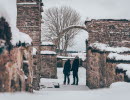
{"x": 57, "y": 19}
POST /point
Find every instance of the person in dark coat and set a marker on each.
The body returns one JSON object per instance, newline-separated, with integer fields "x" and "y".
{"x": 75, "y": 67}
{"x": 66, "y": 71}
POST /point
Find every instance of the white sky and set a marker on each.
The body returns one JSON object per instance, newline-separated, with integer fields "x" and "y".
{"x": 8, "y": 9}
{"x": 87, "y": 8}
{"x": 101, "y": 9}
{"x": 95, "y": 8}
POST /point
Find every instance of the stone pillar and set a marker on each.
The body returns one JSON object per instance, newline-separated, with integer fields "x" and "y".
{"x": 29, "y": 20}
{"x": 48, "y": 60}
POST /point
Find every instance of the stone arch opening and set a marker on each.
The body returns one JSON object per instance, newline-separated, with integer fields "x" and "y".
{"x": 82, "y": 70}
{"x": 73, "y": 27}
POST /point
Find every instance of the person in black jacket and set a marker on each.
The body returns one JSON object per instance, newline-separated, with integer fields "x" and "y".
{"x": 66, "y": 71}
{"x": 75, "y": 67}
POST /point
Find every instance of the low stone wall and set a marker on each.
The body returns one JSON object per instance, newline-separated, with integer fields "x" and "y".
{"x": 99, "y": 72}
{"x": 111, "y": 75}
{"x": 48, "y": 48}
{"x": 16, "y": 72}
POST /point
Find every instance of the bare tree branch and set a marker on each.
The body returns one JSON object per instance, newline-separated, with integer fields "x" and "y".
{"x": 57, "y": 19}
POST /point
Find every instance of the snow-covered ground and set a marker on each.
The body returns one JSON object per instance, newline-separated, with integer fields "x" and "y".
{"x": 60, "y": 79}
{"x": 117, "y": 91}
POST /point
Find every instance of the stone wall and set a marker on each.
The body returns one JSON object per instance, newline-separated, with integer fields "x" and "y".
{"x": 16, "y": 72}
{"x": 48, "y": 69}
{"x": 49, "y": 48}
{"x": 48, "y": 61}
{"x": 29, "y": 21}
{"x": 109, "y": 31}
{"x": 99, "y": 72}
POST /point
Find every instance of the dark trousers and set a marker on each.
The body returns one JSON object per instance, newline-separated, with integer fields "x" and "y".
{"x": 75, "y": 78}
{"x": 66, "y": 77}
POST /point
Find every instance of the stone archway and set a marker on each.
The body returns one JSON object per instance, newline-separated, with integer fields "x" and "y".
{"x": 72, "y": 27}
{"x": 115, "y": 33}
{"x": 82, "y": 71}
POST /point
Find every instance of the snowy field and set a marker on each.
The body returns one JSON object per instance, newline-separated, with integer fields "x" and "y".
{"x": 117, "y": 91}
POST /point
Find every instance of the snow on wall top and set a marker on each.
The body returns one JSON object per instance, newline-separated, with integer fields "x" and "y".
{"x": 34, "y": 51}
{"x": 8, "y": 10}
{"x": 118, "y": 57}
{"x": 2, "y": 43}
{"x": 27, "y": 3}
{"x": 107, "y": 48}
{"x": 65, "y": 57}
{"x": 125, "y": 67}
{"x": 47, "y": 44}
{"x": 48, "y": 53}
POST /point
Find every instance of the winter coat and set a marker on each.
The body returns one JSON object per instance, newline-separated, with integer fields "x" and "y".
{"x": 67, "y": 67}
{"x": 75, "y": 65}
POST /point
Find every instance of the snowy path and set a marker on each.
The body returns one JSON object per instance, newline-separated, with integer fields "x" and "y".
{"x": 117, "y": 91}
{"x": 50, "y": 82}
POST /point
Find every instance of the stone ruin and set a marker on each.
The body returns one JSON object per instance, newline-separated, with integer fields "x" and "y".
{"x": 101, "y": 69}
{"x": 20, "y": 65}
{"x": 29, "y": 21}
{"x": 16, "y": 73}
{"x": 48, "y": 60}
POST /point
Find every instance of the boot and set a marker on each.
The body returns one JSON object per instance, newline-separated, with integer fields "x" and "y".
{"x": 64, "y": 83}
{"x": 73, "y": 83}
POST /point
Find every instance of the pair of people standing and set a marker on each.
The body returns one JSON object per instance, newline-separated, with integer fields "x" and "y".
{"x": 74, "y": 69}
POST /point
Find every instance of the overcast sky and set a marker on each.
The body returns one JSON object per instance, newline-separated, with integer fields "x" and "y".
{"x": 87, "y": 8}
{"x": 95, "y": 8}
{"x": 98, "y": 9}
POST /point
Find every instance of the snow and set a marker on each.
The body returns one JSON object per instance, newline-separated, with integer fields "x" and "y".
{"x": 125, "y": 67}
{"x": 2, "y": 43}
{"x": 25, "y": 61}
{"x": 116, "y": 56}
{"x": 27, "y": 3}
{"x": 47, "y": 43}
{"x": 82, "y": 81}
{"x": 48, "y": 53}
{"x": 128, "y": 73}
{"x": 125, "y": 41}
{"x": 34, "y": 51}
{"x": 25, "y": 77}
{"x": 106, "y": 47}
{"x": 123, "y": 85}
{"x": 117, "y": 91}
{"x": 19, "y": 36}
{"x": 9, "y": 12}
{"x": 65, "y": 57}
